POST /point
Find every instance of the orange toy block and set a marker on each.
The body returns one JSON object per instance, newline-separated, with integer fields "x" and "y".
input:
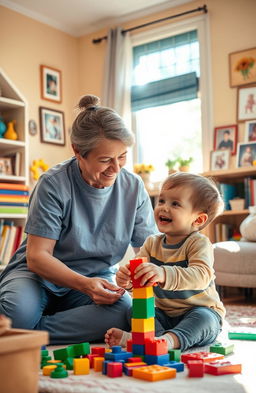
{"x": 156, "y": 347}
{"x": 141, "y": 325}
{"x": 98, "y": 363}
{"x": 81, "y": 366}
{"x": 154, "y": 373}
{"x": 221, "y": 368}
{"x": 47, "y": 370}
{"x": 134, "y": 263}
{"x": 142, "y": 293}
{"x": 206, "y": 357}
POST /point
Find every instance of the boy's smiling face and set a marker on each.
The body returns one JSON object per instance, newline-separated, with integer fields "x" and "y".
{"x": 174, "y": 213}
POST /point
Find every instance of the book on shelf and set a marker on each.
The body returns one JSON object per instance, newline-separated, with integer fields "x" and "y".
{"x": 223, "y": 232}
{"x": 13, "y": 209}
{"x": 11, "y": 238}
{"x": 13, "y": 186}
{"x": 5, "y": 238}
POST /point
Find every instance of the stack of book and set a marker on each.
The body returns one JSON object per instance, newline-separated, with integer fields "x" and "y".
{"x": 14, "y": 198}
{"x": 11, "y": 237}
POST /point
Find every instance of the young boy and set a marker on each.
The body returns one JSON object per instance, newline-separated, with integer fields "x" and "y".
{"x": 188, "y": 309}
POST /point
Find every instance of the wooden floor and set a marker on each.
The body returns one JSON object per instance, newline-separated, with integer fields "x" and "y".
{"x": 238, "y": 296}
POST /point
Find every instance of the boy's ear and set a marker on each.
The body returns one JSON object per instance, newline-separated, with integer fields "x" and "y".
{"x": 75, "y": 150}
{"x": 201, "y": 220}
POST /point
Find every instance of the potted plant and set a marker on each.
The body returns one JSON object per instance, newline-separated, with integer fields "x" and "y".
{"x": 184, "y": 164}
{"x": 144, "y": 171}
{"x": 171, "y": 165}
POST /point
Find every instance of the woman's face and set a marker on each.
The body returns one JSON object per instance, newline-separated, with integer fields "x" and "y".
{"x": 102, "y": 165}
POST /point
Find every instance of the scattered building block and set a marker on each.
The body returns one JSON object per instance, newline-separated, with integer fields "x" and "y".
{"x": 154, "y": 373}
{"x": 134, "y": 359}
{"x": 47, "y": 370}
{"x": 100, "y": 351}
{"x": 179, "y": 366}
{"x": 221, "y": 368}
{"x": 175, "y": 354}
{"x": 98, "y": 363}
{"x": 81, "y": 366}
{"x": 222, "y": 348}
{"x": 129, "y": 345}
{"x": 138, "y": 349}
{"x": 69, "y": 363}
{"x": 64, "y": 353}
{"x": 195, "y": 368}
{"x": 114, "y": 369}
{"x": 205, "y": 356}
{"x": 81, "y": 349}
{"x": 115, "y": 357}
{"x": 91, "y": 357}
{"x": 129, "y": 367}
{"x": 59, "y": 371}
{"x": 242, "y": 334}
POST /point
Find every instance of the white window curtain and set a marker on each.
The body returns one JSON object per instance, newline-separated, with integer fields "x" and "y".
{"x": 117, "y": 74}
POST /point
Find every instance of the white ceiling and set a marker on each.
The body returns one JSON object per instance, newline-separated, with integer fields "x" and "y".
{"x": 79, "y": 17}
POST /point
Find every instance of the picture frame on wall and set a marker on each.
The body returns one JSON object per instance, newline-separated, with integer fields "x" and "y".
{"x": 250, "y": 131}
{"x": 6, "y": 166}
{"x": 51, "y": 89}
{"x": 219, "y": 160}
{"x": 225, "y": 138}
{"x": 52, "y": 126}
{"x": 242, "y": 67}
{"x": 246, "y": 154}
{"x": 246, "y": 103}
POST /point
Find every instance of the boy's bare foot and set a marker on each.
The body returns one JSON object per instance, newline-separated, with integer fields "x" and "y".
{"x": 115, "y": 336}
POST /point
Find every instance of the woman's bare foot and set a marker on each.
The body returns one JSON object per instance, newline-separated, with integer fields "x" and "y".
{"x": 115, "y": 336}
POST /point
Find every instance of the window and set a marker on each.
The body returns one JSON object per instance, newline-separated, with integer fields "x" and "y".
{"x": 165, "y": 101}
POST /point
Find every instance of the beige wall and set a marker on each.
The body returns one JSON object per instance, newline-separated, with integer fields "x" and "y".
{"x": 25, "y": 44}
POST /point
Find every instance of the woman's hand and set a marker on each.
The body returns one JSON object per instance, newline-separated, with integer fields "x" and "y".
{"x": 123, "y": 277}
{"x": 149, "y": 274}
{"x": 102, "y": 291}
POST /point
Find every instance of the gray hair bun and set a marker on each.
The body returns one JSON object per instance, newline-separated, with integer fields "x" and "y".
{"x": 88, "y": 102}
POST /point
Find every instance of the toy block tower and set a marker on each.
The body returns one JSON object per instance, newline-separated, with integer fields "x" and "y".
{"x": 143, "y": 341}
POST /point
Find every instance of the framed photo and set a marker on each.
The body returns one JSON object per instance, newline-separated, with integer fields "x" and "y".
{"x": 246, "y": 103}
{"x": 242, "y": 67}
{"x": 52, "y": 126}
{"x": 6, "y": 166}
{"x": 246, "y": 154}
{"x": 50, "y": 84}
{"x": 219, "y": 159}
{"x": 225, "y": 138}
{"x": 250, "y": 131}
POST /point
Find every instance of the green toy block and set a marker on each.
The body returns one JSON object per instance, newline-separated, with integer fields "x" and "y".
{"x": 242, "y": 335}
{"x": 59, "y": 371}
{"x": 81, "y": 349}
{"x": 69, "y": 362}
{"x": 64, "y": 353}
{"x": 143, "y": 308}
{"x": 222, "y": 348}
{"x": 44, "y": 360}
{"x": 175, "y": 354}
{"x": 44, "y": 352}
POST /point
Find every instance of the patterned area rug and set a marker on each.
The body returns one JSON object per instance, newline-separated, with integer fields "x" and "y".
{"x": 243, "y": 316}
{"x": 237, "y": 316}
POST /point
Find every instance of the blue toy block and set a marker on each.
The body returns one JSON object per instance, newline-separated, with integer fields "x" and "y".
{"x": 138, "y": 349}
{"x": 116, "y": 357}
{"x": 173, "y": 364}
{"x": 154, "y": 359}
{"x": 116, "y": 349}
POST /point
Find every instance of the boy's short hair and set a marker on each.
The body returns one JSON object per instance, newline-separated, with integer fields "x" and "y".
{"x": 205, "y": 196}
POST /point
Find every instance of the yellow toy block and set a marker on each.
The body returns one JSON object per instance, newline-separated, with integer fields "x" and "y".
{"x": 53, "y": 361}
{"x": 142, "y": 293}
{"x": 98, "y": 363}
{"x": 154, "y": 373}
{"x": 48, "y": 369}
{"x": 141, "y": 325}
{"x": 81, "y": 366}
{"x": 108, "y": 350}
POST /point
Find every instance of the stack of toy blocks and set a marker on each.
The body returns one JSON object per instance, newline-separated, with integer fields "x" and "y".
{"x": 143, "y": 342}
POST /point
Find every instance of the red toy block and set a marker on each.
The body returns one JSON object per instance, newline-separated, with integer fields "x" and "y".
{"x": 134, "y": 263}
{"x": 206, "y": 357}
{"x": 115, "y": 369}
{"x": 129, "y": 345}
{"x": 195, "y": 368}
{"x": 140, "y": 337}
{"x": 100, "y": 351}
{"x": 91, "y": 358}
{"x": 156, "y": 347}
{"x": 134, "y": 360}
{"x": 221, "y": 368}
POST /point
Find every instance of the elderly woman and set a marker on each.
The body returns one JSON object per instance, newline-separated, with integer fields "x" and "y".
{"x": 83, "y": 214}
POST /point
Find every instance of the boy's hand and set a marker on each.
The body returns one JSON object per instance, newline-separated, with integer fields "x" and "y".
{"x": 123, "y": 277}
{"x": 149, "y": 274}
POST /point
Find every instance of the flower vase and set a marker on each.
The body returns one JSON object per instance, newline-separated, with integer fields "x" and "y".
{"x": 146, "y": 177}
{"x": 10, "y": 132}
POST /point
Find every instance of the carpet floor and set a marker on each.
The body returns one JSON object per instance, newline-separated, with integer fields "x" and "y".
{"x": 244, "y": 353}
